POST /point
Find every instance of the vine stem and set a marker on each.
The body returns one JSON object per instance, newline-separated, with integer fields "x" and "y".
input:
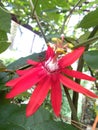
{"x": 88, "y": 42}
{"x": 66, "y": 119}
{"x": 34, "y": 5}
{"x": 91, "y": 38}
{"x": 75, "y": 94}
{"x": 95, "y": 123}
{"x": 37, "y": 19}
{"x": 72, "y": 107}
{"x": 70, "y": 13}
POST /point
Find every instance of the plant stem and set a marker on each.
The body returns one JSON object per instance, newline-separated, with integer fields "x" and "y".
{"x": 91, "y": 72}
{"x": 79, "y": 68}
{"x": 95, "y": 123}
{"x": 34, "y": 5}
{"x": 70, "y": 13}
{"x": 75, "y": 94}
{"x": 87, "y": 42}
{"x": 37, "y": 20}
{"x": 71, "y": 104}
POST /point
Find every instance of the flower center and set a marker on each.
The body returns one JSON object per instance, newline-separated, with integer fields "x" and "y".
{"x": 51, "y": 65}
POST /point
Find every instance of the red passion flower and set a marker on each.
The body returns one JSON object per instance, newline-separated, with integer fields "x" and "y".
{"x": 49, "y": 75}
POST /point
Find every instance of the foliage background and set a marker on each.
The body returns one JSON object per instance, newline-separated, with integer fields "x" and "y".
{"x": 48, "y": 19}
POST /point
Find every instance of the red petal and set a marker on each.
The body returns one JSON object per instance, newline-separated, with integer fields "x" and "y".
{"x": 22, "y": 72}
{"x": 38, "y": 96}
{"x": 32, "y": 62}
{"x": 77, "y": 74}
{"x": 70, "y": 58}
{"x": 49, "y": 53}
{"x": 56, "y": 95}
{"x": 26, "y": 73}
{"x": 25, "y": 82}
{"x": 76, "y": 87}
{"x": 12, "y": 82}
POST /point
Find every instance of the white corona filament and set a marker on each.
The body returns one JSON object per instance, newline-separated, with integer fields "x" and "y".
{"x": 51, "y": 65}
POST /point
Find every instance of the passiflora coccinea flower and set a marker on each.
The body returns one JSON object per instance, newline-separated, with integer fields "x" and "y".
{"x": 49, "y": 75}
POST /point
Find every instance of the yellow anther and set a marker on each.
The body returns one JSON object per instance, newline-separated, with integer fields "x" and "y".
{"x": 60, "y": 51}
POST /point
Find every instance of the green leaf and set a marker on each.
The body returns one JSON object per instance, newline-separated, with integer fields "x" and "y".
{"x": 51, "y": 9}
{"x": 2, "y": 66}
{"x": 89, "y": 20}
{"x": 22, "y": 62}
{"x": 18, "y": 64}
{"x": 10, "y": 126}
{"x": 91, "y": 58}
{"x": 84, "y": 37}
{"x": 5, "y": 20}
{"x": 4, "y": 44}
{"x": 12, "y": 117}
{"x": 3, "y": 100}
